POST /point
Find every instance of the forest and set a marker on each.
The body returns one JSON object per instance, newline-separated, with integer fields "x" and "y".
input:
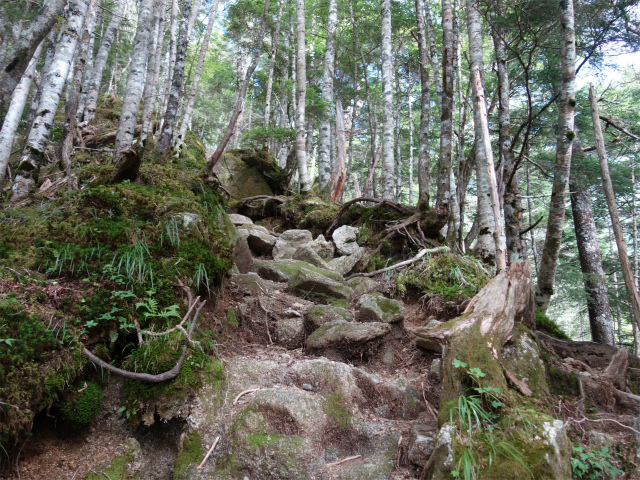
{"x": 319, "y": 239}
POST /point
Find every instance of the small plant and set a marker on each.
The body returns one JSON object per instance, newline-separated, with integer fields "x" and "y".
{"x": 476, "y": 414}
{"x": 202, "y": 278}
{"x": 593, "y": 464}
{"x": 152, "y": 310}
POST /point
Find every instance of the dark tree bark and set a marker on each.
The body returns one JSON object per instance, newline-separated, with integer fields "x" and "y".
{"x": 591, "y": 265}
{"x": 425, "y": 110}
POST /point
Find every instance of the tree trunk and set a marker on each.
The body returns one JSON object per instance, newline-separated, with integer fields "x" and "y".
{"x": 135, "y": 85}
{"x": 509, "y": 187}
{"x": 16, "y": 62}
{"x": 173, "y": 46}
{"x": 75, "y": 85}
{"x": 625, "y": 265}
{"x": 149, "y": 95}
{"x": 591, "y": 265}
{"x": 484, "y": 154}
{"x": 410, "y": 152}
{"x": 425, "y": 110}
{"x": 301, "y": 100}
{"x": 443, "y": 192}
{"x": 168, "y": 125}
{"x": 338, "y": 175}
{"x": 433, "y": 53}
{"x": 193, "y": 17}
{"x": 101, "y": 60}
{"x": 14, "y": 113}
{"x": 272, "y": 66}
{"x": 188, "y": 112}
{"x": 387, "y": 179}
{"x": 324, "y": 134}
{"x": 237, "y": 109}
{"x": 567, "y": 102}
{"x": 33, "y": 154}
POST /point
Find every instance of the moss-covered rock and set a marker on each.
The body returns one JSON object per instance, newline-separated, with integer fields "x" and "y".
{"x": 343, "y": 334}
{"x": 81, "y": 406}
{"x": 318, "y": 315}
{"x": 284, "y": 270}
{"x": 189, "y": 456}
{"x": 123, "y": 467}
{"x": 378, "y": 308}
{"x": 521, "y": 356}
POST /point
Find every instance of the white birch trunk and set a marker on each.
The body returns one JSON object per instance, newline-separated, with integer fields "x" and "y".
{"x": 18, "y": 59}
{"x": 14, "y": 114}
{"x": 193, "y": 16}
{"x": 387, "y": 180}
{"x": 149, "y": 95}
{"x": 566, "y": 134}
{"x": 135, "y": 81}
{"x": 410, "y": 152}
{"x": 301, "y": 73}
{"x": 484, "y": 154}
{"x": 324, "y": 134}
{"x": 101, "y": 60}
{"x": 272, "y": 65}
{"x": 33, "y": 154}
{"x": 188, "y": 111}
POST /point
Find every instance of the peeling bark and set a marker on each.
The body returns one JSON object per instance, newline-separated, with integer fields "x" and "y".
{"x": 387, "y": 180}
{"x": 301, "y": 73}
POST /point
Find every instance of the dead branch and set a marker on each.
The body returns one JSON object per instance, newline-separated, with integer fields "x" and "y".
{"x": 420, "y": 254}
{"x": 199, "y": 467}
{"x": 344, "y": 460}
{"x": 396, "y": 206}
{"x": 246, "y": 392}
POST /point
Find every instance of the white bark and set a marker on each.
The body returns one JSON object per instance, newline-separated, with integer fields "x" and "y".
{"x": 193, "y": 16}
{"x": 33, "y": 154}
{"x": 301, "y": 73}
{"x": 135, "y": 81}
{"x": 484, "y": 154}
{"x": 324, "y": 134}
{"x": 410, "y": 152}
{"x": 14, "y": 113}
{"x": 149, "y": 95}
{"x": 387, "y": 180}
{"x": 188, "y": 111}
{"x": 101, "y": 60}
{"x": 272, "y": 65}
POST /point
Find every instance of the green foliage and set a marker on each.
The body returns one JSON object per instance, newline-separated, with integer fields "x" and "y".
{"x": 476, "y": 414}
{"x": 593, "y": 464}
{"x": 549, "y": 327}
{"x": 80, "y": 408}
{"x": 257, "y": 137}
{"x": 449, "y": 276}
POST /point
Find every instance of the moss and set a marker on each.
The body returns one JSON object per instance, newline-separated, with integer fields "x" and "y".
{"x": 449, "y": 277}
{"x": 80, "y": 408}
{"x": 549, "y": 327}
{"x": 119, "y": 467}
{"x": 335, "y": 407}
{"x": 190, "y": 453}
{"x": 232, "y": 318}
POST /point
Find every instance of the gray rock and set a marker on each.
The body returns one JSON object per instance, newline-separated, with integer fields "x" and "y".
{"x": 250, "y": 281}
{"x": 433, "y": 323}
{"x": 259, "y": 240}
{"x": 377, "y": 308}
{"x": 316, "y": 283}
{"x": 190, "y": 224}
{"x": 324, "y": 248}
{"x": 635, "y": 424}
{"x": 345, "y": 265}
{"x": 329, "y": 379}
{"x": 429, "y": 344}
{"x": 284, "y": 270}
{"x": 290, "y": 332}
{"x": 242, "y": 257}
{"x": 289, "y": 242}
{"x": 340, "y": 333}
{"x": 361, "y": 284}
{"x": 307, "y": 254}
{"x": 321, "y": 314}
{"x": 307, "y": 387}
{"x": 421, "y": 444}
{"x": 345, "y": 239}
{"x": 238, "y": 219}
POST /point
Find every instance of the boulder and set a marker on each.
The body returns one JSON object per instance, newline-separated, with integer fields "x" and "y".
{"x": 289, "y": 242}
{"x": 190, "y": 225}
{"x": 250, "y": 281}
{"x": 283, "y": 270}
{"x": 421, "y": 444}
{"x": 317, "y": 284}
{"x": 326, "y": 378}
{"x": 361, "y": 284}
{"x": 259, "y": 239}
{"x": 307, "y": 254}
{"x": 340, "y": 333}
{"x": 345, "y": 265}
{"x": 290, "y": 332}
{"x": 321, "y": 314}
{"x": 345, "y": 239}
{"x": 324, "y": 248}
{"x": 239, "y": 220}
{"x": 377, "y": 308}
{"x": 242, "y": 255}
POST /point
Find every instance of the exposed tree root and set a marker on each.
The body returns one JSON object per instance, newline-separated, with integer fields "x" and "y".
{"x": 193, "y": 312}
{"x": 396, "y": 206}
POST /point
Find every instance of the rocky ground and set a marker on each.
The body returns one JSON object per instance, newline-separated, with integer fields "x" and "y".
{"x": 323, "y": 380}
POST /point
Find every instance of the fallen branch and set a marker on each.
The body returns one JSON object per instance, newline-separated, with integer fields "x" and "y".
{"x": 603, "y": 420}
{"x": 420, "y": 254}
{"x": 206, "y": 457}
{"x": 246, "y": 392}
{"x": 344, "y": 460}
